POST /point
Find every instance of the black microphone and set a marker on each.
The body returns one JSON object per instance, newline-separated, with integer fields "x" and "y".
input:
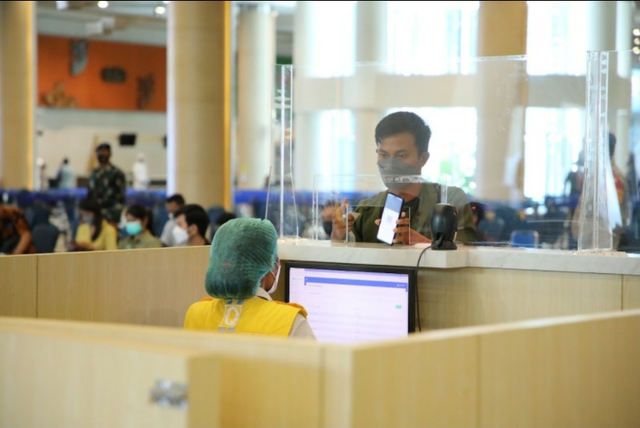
{"x": 444, "y": 225}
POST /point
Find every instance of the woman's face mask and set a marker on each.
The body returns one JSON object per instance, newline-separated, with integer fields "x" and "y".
{"x": 394, "y": 173}
{"x": 133, "y": 228}
{"x": 180, "y": 236}
{"x": 86, "y": 218}
{"x": 274, "y": 287}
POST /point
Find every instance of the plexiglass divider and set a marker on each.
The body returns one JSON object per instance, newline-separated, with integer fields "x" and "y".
{"x": 515, "y": 143}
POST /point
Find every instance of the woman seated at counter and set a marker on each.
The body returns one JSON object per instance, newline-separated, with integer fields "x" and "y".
{"x": 94, "y": 232}
{"x": 139, "y": 219}
{"x": 243, "y": 270}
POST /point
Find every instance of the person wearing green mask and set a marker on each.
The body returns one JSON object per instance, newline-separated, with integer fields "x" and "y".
{"x": 402, "y": 141}
{"x": 139, "y": 235}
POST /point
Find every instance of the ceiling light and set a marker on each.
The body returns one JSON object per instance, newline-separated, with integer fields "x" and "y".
{"x": 166, "y": 2}
{"x": 636, "y": 50}
{"x": 636, "y": 41}
{"x": 160, "y": 10}
{"x": 103, "y": 4}
{"x": 636, "y": 32}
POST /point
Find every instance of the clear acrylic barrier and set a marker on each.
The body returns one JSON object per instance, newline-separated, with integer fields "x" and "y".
{"x": 518, "y": 145}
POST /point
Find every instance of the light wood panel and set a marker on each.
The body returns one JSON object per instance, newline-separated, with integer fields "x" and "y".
{"x": 57, "y": 379}
{"x": 153, "y": 287}
{"x": 18, "y": 286}
{"x": 422, "y": 381}
{"x": 584, "y": 373}
{"x": 278, "y": 371}
{"x": 630, "y": 292}
{"x": 476, "y": 296}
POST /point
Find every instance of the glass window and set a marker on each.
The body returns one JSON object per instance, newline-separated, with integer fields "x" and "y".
{"x": 553, "y": 140}
{"x": 556, "y": 37}
{"x": 429, "y": 38}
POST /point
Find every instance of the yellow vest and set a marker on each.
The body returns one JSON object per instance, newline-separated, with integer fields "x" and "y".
{"x": 253, "y": 316}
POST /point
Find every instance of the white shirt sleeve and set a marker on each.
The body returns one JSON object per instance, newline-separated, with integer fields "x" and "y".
{"x": 301, "y": 328}
{"x": 167, "y": 233}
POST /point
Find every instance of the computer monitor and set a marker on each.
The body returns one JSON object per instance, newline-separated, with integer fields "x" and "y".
{"x": 353, "y": 303}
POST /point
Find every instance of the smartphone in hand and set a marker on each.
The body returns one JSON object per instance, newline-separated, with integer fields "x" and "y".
{"x": 390, "y": 215}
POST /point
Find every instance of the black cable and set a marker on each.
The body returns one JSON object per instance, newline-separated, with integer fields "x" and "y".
{"x": 416, "y": 293}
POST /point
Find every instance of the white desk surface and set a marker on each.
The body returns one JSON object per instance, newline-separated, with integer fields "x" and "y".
{"x": 296, "y": 249}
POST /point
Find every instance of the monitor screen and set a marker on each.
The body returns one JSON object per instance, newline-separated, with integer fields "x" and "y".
{"x": 353, "y": 303}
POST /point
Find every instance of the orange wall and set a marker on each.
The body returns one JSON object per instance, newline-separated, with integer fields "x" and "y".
{"x": 88, "y": 88}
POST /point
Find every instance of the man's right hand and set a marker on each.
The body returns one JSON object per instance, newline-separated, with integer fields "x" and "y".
{"x": 340, "y": 227}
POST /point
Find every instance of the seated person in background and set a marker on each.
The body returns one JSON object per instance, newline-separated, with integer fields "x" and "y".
{"x": 172, "y": 205}
{"x": 192, "y": 222}
{"x": 402, "y": 140}
{"x": 222, "y": 219}
{"x": 137, "y": 228}
{"x": 243, "y": 270}
{"x": 94, "y": 232}
{"x": 15, "y": 236}
{"x": 478, "y": 215}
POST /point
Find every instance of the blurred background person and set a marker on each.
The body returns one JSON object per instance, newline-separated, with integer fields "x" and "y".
{"x": 140, "y": 173}
{"x": 65, "y": 178}
{"x": 222, "y": 219}
{"x": 173, "y": 204}
{"x": 138, "y": 234}
{"x": 107, "y": 185}
{"x": 191, "y": 226}
{"x": 478, "y": 211}
{"x": 94, "y": 232}
{"x": 15, "y": 235}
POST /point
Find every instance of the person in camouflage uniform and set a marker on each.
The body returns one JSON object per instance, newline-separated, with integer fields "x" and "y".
{"x": 107, "y": 185}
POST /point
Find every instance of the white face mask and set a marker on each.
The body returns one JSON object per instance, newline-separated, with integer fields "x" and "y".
{"x": 180, "y": 236}
{"x": 274, "y": 287}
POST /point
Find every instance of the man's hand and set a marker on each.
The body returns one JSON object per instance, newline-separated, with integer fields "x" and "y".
{"x": 339, "y": 226}
{"x": 404, "y": 233}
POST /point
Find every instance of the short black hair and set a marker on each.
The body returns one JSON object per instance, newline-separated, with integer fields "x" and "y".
{"x": 103, "y": 146}
{"x": 224, "y": 217}
{"x": 177, "y": 198}
{"x": 195, "y": 214}
{"x": 405, "y": 122}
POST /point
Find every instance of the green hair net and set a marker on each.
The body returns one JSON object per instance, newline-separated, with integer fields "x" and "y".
{"x": 243, "y": 251}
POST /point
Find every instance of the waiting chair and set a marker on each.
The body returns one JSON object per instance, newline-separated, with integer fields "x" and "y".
{"x": 524, "y": 239}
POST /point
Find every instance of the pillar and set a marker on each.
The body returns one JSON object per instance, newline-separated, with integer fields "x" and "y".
{"x": 371, "y": 54}
{"x": 502, "y": 30}
{"x": 198, "y": 101}
{"x": 621, "y": 102}
{"x": 256, "y": 61}
{"x": 309, "y": 155}
{"x": 17, "y": 93}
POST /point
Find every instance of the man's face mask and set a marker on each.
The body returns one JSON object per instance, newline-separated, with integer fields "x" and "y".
{"x": 394, "y": 173}
{"x": 103, "y": 159}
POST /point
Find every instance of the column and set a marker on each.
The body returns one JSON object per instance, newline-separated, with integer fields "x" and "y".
{"x": 371, "y": 48}
{"x": 621, "y": 102}
{"x": 308, "y": 154}
{"x": 17, "y": 93}
{"x": 256, "y": 61}
{"x": 502, "y": 30}
{"x": 198, "y": 101}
